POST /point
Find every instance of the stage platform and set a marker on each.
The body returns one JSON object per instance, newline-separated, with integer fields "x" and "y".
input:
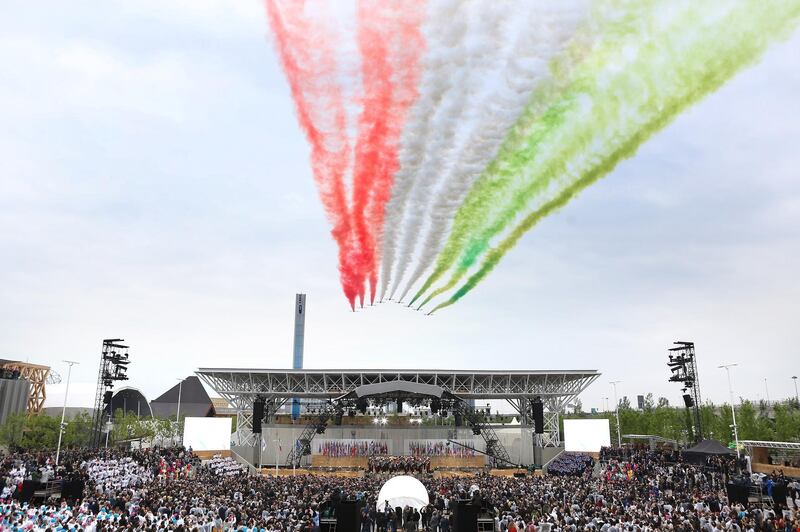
{"x": 287, "y": 472}
{"x": 454, "y": 462}
{"x": 208, "y": 455}
{"x": 362, "y": 462}
{"x": 346, "y": 462}
{"x": 512, "y": 472}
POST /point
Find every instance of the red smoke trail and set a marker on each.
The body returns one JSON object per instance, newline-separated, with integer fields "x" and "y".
{"x": 305, "y": 46}
{"x": 391, "y": 43}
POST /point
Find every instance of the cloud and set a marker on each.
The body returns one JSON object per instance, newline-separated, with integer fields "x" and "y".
{"x": 155, "y": 187}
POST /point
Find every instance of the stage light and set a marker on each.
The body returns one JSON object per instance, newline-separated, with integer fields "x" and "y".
{"x": 376, "y": 421}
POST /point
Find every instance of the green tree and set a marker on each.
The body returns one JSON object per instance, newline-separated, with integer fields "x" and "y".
{"x": 11, "y": 433}
{"x": 78, "y": 432}
{"x": 40, "y": 432}
{"x": 787, "y": 422}
{"x": 649, "y": 402}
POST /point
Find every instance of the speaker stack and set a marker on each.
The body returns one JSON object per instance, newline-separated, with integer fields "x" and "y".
{"x": 258, "y": 414}
{"x": 538, "y": 416}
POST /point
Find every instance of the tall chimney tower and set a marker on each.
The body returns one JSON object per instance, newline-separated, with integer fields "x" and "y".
{"x": 299, "y": 338}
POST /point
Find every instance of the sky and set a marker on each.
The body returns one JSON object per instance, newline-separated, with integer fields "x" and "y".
{"x": 155, "y": 186}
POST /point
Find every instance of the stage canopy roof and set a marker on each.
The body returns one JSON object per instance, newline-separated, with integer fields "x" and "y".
{"x": 707, "y": 447}
{"x": 232, "y": 383}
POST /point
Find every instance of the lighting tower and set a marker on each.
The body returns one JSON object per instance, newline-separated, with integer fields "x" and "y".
{"x": 113, "y": 367}
{"x": 683, "y": 364}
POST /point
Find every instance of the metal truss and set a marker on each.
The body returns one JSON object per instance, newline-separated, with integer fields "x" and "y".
{"x": 302, "y": 447}
{"x": 240, "y": 387}
{"x": 37, "y": 376}
{"x": 327, "y": 384}
{"x": 783, "y": 445}
{"x": 494, "y": 447}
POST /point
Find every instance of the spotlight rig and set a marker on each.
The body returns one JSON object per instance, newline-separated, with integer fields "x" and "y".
{"x": 683, "y": 365}
{"x": 113, "y": 368}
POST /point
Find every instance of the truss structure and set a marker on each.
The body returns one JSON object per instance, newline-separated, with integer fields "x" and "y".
{"x": 37, "y": 376}
{"x": 781, "y": 445}
{"x": 240, "y": 387}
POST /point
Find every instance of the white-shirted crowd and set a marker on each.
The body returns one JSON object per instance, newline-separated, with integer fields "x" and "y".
{"x": 112, "y": 474}
{"x": 169, "y": 489}
{"x": 224, "y": 466}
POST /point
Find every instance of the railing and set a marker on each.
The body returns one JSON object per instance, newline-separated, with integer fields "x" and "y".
{"x": 251, "y": 469}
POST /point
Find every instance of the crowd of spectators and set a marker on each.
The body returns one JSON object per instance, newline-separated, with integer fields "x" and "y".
{"x": 11, "y": 374}
{"x": 635, "y": 490}
{"x": 399, "y": 464}
{"x": 571, "y": 465}
{"x": 224, "y": 466}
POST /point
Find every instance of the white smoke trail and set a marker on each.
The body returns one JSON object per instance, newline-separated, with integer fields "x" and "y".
{"x": 550, "y": 26}
{"x": 444, "y": 30}
{"x": 490, "y": 34}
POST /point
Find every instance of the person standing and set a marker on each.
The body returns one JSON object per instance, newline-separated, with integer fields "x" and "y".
{"x": 444, "y": 523}
{"x": 433, "y": 523}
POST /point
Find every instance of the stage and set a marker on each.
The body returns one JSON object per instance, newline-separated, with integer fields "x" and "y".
{"x": 356, "y": 405}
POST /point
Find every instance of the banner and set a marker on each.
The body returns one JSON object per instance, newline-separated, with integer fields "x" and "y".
{"x": 339, "y": 448}
{"x": 439, "y": 448}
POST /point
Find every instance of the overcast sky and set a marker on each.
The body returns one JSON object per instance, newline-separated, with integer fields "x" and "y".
{"x": 155, "y": 187}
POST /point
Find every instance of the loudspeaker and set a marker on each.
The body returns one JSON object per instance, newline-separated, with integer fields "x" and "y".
{"x": 436, "y": 404}
{"x": 72, "y": 489}
{"x": 538, "y": 416}
{"x": 107, "y": 397}
{"x": 465, "y": 517}
{"x": 348, "y": 516}
{"x": 28, "y": 487}
{"x": 337, "y": 419}
{"x": 362, "y": 405}
{"x": 688, "y": 401}
{"x": 258, "y": 415}
{"x": 399, "y": 406}
{"x": 459, "y": 420}
{"x": 738, "y": 494}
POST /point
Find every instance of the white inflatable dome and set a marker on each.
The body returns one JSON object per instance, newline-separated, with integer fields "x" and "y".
{"x": 403, "y": 491}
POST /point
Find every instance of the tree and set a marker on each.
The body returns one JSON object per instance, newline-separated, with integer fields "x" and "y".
{"x": 787, "y": 422}
{"x": 649, "y": 402}
{"x": 78, "y": 432}
{"x": 663, "y": 402}
{"x": 11, "y": 431}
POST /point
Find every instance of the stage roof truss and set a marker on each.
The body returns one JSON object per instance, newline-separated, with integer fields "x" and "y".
{"x": 327, "y": 384}
{"x": 781, "y": 445}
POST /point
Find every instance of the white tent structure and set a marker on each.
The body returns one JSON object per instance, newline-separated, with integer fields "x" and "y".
{"x": 403, "y": 491}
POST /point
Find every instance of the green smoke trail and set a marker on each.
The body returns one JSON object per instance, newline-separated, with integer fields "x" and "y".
{"x": 612, "y": 25}
{"x": 696, "y": 67}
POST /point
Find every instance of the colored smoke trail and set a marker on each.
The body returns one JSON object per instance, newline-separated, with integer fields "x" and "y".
{"x": 610, "y": 25}
{"x": 305, "y": 45}
{"x": 479, "y": 60}
{"x": 673, "y": 73}
{"x": 547, "y": 29}
{"x": 444, "y": 31}
{"x": 390, "y": 43}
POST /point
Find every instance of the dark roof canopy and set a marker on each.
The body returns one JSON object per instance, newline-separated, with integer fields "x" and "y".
{"x": 396, "y": 388}
{"x": 708, "y": 447}
{"x": 195, "y": 402}
{"x": 130, "y": 400}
